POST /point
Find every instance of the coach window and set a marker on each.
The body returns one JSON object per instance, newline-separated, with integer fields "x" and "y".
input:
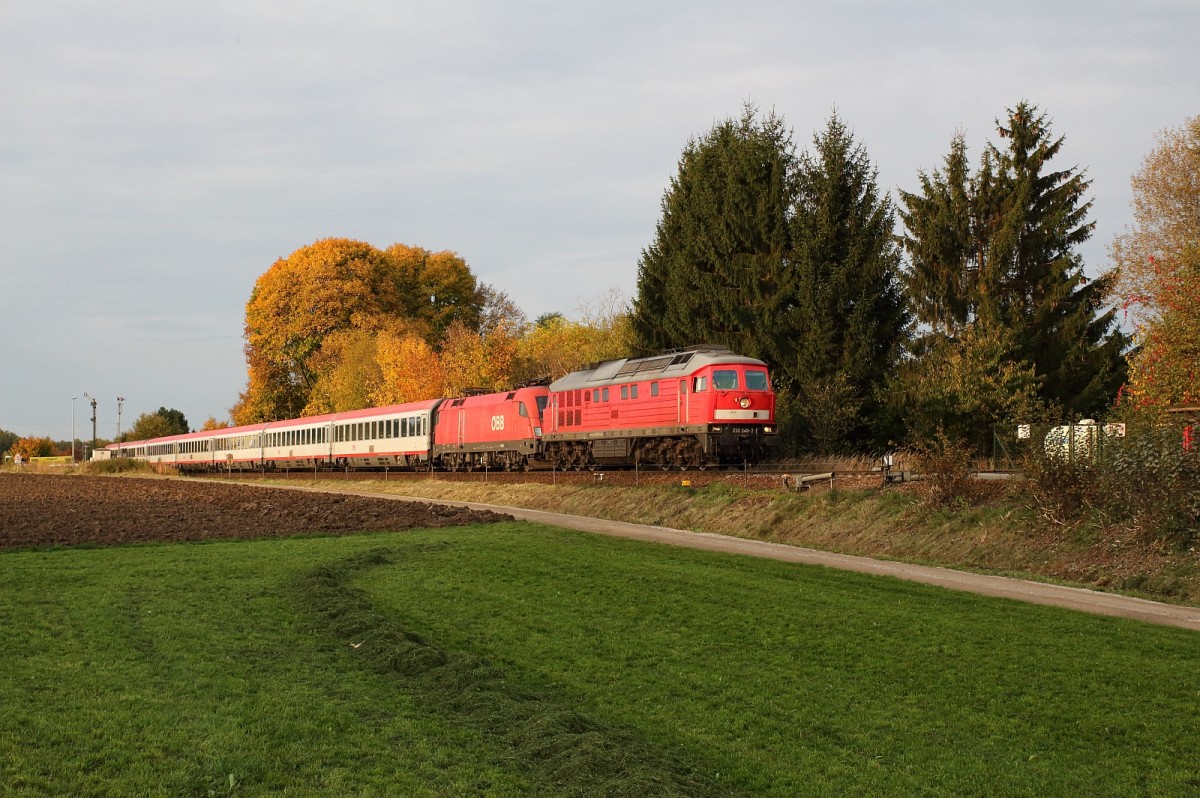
{"x": 699, "y": 384}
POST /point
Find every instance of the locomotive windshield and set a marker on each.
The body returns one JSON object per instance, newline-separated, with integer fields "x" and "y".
{"x": 756, "y": 380}
{"x": 725, "y": 379}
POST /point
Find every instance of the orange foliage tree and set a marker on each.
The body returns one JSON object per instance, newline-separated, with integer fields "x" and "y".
{"x": 1165, "y": 367}
{"x": 410, "y": 370}
{"x": 439, "y": 286}
{"x": 1165, "y": 236}
{"x": 558, "y": 346}
{"x": 1159, "y": 272}
{"x": 32, "y": 447}
{"x": 472, "y": 360}
{"x": 314, "y": 320}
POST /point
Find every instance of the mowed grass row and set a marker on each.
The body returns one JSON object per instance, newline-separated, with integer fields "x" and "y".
{"x": 515, "y": 659}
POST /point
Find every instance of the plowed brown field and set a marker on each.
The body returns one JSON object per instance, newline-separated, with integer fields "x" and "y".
{"x": 41, "y": 509}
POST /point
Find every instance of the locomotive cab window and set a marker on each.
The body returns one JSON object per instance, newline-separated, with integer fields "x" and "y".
{"x": 756, "y": 380}
{"x": 522, "y": 410}
{"x": 725, "y": 380}
{"x": 699, "y": 384}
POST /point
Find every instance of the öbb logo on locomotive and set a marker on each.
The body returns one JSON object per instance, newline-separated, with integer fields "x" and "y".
{"x": 671, "y": 410}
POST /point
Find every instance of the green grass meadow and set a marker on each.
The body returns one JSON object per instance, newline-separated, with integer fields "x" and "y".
{"x": 516, "y": 659}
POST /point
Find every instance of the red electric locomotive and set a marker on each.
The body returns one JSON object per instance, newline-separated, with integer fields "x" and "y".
{"x": 496, "y": 430}
{"x": 694, "y": 408}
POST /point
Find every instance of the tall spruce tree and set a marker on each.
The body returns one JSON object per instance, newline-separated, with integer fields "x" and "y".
{"x": 712, "y": 273}
{"x": 941, "y": 250}
{"x": 1040, "y": 290}
{"x": 1015, "y": 260}
{"x": 846, "y": 318}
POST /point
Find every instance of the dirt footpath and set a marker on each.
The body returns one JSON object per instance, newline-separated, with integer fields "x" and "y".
{"x": 45, "y": 509}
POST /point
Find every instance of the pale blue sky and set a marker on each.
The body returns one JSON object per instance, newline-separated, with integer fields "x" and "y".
{"x": 155, "y": 158}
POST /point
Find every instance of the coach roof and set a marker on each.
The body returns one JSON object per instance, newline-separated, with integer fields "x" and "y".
{"x": 669, "y": 364}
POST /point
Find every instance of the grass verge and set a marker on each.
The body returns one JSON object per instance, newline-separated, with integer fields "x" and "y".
{"x": 515, "y": 659}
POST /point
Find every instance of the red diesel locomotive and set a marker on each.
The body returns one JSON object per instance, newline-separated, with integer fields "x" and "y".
{"x": 695, "y": 408}
{"x": 699, "y": 407}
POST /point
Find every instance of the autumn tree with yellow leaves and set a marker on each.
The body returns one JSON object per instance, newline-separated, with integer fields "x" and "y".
{"x": 32, "y": 447}
{"x": 1158, "y": 262}
{"x": 340, "y": 325}
{"x": 556, "y": 346}
{"x": 315, "y": 318}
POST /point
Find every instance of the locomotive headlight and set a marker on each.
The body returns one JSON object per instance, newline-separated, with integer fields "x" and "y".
{"x": 744, "y": 402}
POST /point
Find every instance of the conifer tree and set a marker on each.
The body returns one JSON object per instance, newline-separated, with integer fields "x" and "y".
{"x": 846, "y": 317}
{"x": 940, "y": 247}
{"x": 712, "y": 273}
{"x": 999, "y": 250}
{"x": 1040, "y": 290}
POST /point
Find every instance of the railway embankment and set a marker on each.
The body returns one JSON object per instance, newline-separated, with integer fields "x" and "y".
{"x": 996, "y": 534}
